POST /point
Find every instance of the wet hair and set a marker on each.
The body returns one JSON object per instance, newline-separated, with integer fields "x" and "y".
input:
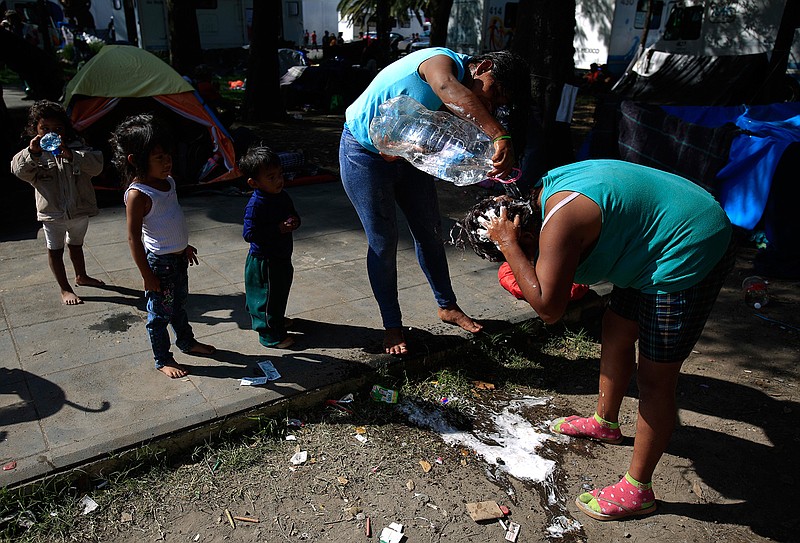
{"x": 47, "y": 109}
{"x": 258, "y": 156}
{"x": 138, "y": 136}
{"x": 513, "y": 74}
{"x": 473, "y": 232}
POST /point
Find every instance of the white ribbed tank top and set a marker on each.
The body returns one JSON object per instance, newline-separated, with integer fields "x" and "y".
{"x": 164, "y": 228}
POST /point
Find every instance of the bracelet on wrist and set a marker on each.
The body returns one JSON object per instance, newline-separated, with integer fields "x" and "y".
{"x": 503, "y": 137}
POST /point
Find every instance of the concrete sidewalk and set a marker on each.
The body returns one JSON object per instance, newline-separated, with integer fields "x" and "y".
{"x": 78, "y": 383}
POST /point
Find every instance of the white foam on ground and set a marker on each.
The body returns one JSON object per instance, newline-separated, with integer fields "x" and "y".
{"x": 517, "y": 439}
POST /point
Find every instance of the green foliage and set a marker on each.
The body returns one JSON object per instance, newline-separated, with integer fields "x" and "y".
{"x": 9, "y": 77}
{"x": 354, "y": 10}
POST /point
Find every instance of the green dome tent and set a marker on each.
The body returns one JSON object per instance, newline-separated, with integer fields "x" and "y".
{"x": 122, "y": 80}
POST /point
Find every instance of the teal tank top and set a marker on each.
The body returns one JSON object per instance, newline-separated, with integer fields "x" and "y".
{"x": 400, "y": 77}
{"x": 660, "y": 234}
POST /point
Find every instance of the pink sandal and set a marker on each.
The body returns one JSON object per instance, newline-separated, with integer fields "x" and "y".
{"x": 594, "y": 427}
{"x": 627, "y": 498}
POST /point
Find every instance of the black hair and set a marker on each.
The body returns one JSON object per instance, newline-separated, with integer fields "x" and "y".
{"x": 138, "y": 136}
{"x": 258, "y": 156}
{"x": 472, "y": 230}
{"x": 513, "y": 74}
{"x": 47, "y": 109}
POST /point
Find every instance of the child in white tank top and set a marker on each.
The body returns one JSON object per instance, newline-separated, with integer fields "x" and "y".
{"x": 157, "y": 236}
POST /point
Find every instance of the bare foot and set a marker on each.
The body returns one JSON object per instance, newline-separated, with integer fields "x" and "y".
{"x": 86, "y": 281}
{"x": 173, "y": 370}
{"x": 454, "y": 315}
{"x": 201, "y": 349}
{"x": 285, "y": 344}
{"x": 70, "y": 298}
{"x": 394, "y": 342}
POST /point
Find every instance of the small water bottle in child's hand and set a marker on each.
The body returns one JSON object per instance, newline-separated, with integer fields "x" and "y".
{"x": 50, "y": 142}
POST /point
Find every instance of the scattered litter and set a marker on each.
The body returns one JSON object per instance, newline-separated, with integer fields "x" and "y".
{"x": 392, "y": 533}
{"x": 196, "y": 538}
{"x": 11, "y": 465}
{"x": 230, "y": 519}
{"x": 101, "y": 484}
{"x": 360, "y": 429}
{"x": 342, "y": 480}
{"x": 424, "y": 498}
{"x": 480, "y": 385}
{"x": 505, "y": 510}
{"x": 291, "y": 437}
{"x": 247, "y": 519}
{"x": 484, "y": 511}
{"x": 362, "y": 439}
{"x": 269, "y": 370}
{"x": 337, "y": 405}
{"x": 88, "y": 504}
{"x": 347, "y": 398}
{"x": 299, "y": 458}
{"x": 368, "y": 528}
{"x": 439, "y": 460}
{"x": 253, "y": 381}
{"x": 562, "y": 525}
{"x": 426, "y": 466}
{"x": 295, "y": 423}
{"x": 444, "y": 400}
{"x": 410, "y": 485}
{"x": 382, "y": 394}
{"x": 513, "y": 531}
{"x": 126, "y": 517}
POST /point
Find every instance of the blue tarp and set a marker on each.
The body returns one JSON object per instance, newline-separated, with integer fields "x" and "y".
{"x": 746, "y": 180}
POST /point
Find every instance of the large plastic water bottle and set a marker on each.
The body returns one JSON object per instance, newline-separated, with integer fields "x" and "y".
{"x": 436, "y": 142}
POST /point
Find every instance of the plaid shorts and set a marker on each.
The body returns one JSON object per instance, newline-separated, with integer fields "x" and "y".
{"x": 671, "y": 324}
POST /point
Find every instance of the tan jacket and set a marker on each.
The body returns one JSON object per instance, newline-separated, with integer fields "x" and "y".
{"x": 63, "y": 187}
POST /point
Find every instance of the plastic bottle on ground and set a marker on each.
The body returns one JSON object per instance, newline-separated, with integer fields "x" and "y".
{"x": 755, "y": 291}
{"x": 436, "y": 142}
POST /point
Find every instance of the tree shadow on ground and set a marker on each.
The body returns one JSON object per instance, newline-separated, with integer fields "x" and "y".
{"x": 18, "y": 382}
{"x": 739, "y": 468}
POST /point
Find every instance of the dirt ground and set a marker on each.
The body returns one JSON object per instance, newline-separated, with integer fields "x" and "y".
{"x": 728, "y": 473}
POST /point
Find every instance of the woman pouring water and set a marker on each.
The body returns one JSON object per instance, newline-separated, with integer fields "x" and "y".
{"x": 471, "y": 88}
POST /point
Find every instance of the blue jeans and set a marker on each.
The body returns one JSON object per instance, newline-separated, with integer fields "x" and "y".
{"x": 374, "y": 186}
{"x": 168, "y": 306}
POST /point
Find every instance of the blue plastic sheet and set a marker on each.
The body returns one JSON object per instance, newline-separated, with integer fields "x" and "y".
{"x": 746, "y": 180}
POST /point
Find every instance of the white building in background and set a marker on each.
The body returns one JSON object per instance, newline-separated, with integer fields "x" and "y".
{"x": 226, "y": 24}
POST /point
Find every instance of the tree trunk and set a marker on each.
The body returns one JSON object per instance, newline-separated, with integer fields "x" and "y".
{"x": 440, "y": 18}
{"x": 185, "y": 52}
{"x": 262, "y": 96}
{"x": 548, "y": 48}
